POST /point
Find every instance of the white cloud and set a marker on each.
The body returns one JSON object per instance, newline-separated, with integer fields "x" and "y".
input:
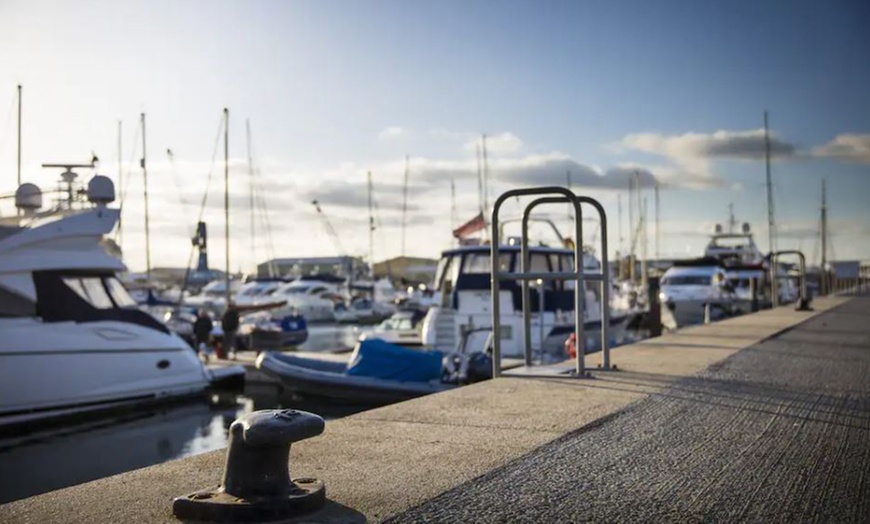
{"x": 736, "y": 145}
{"x": 847, "y": 147}
{"x": 692, "y": 155}
{"x": 391, "y": 133}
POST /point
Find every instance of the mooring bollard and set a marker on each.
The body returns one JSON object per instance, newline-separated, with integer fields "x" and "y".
{"x": 256, "y": 483}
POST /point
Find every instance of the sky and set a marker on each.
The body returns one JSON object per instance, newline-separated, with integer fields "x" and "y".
{"x": 674, "y": 91}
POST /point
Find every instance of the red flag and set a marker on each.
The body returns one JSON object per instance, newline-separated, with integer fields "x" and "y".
{"x": 472, "y": 226}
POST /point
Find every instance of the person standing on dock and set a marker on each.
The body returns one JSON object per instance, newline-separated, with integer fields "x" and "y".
{"x": 202, "y": 333}
{"x": 230, "y": 324}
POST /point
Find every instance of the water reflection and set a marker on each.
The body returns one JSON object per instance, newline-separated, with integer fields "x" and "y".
{"x": 52, "y": 459}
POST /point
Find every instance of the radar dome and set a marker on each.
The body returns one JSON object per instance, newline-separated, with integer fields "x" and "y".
{"x": 101, "y": 190}
{"x": 28, "y": 197}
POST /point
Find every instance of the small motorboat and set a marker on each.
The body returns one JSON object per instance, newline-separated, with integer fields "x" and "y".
{"x": 403, "y": 327}
{"x": 377, "y": 373}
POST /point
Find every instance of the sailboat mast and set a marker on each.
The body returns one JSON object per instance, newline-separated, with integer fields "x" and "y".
{"x": 120, "y": 186}
{"x": 568, "y": 185}
{"x": 251, "y": 191}
{"x": 371, "y": 223}
{"x": 631, "y": 229}
{"x": 19, "y": 134}
{"x": 405, "y": 205}
{"x": 643, "y": 246}
{"x": 453, "y": 217}
{"x": 479, "y": 182}
{"x": 145, "y": 190}
{"x": 771, "y": 226}
{"x": 485, "y": 179}
{"x": 657, "y": 218}
{"x": 620, "y": 250}
{"x": 227, "y": 203}
{"x": 731, "y": 220}
{"x": 824, "y": 236}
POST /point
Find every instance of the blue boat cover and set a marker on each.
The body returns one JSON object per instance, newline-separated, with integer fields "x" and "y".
{"x": 379, "y": 359}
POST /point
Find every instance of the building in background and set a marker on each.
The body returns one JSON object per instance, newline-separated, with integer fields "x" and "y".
{"x": 343, "y": 266}
{"x": 407, "y": 270}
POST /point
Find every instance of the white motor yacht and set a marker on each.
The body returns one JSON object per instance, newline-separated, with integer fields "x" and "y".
{"x": 402, "y": 328}
{"x": 464, "y": 302}
{"x": 73, "y": 339}
{"x": 315, "y": 298}
{"x": 688, "y": 286}
{"x": 743, "y": 261}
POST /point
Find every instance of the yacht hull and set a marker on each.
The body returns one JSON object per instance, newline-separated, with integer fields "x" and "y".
{"x": 59, "y": 369}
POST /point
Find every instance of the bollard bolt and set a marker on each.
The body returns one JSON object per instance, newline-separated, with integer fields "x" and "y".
{"x": 256, "y": 483}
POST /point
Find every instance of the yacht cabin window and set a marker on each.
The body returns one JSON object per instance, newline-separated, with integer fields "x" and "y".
{"x": 448, "y": 271}
{"x": 91, "y": 290}
{"x": 687, "y": 280}
{"x": 479, "y": 263}
{"x": 118, "y": 293}
{"x": 14, "y": 305}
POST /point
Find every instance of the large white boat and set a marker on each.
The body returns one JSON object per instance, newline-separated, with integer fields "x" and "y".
{"x": 743, "y": 263}
{"x": 73, "y": 339}
{"x": 689, "y": 286}
{"x": 315, "y": 298}
{"x": 463, "y": 299}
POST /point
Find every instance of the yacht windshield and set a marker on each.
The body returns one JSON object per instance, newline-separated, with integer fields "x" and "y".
{"x": 479, "y": 263}
{"x": 118, "y": 293}
{"x": 687, "y": 280}
{"x": 91, "y": 290}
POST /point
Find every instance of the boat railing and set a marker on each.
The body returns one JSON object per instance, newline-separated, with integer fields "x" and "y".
{"x": 775, "y": 277}
{"x": 550, "y": 195}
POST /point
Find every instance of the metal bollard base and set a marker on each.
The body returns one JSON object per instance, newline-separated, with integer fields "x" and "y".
{"x": 216, "y": 505}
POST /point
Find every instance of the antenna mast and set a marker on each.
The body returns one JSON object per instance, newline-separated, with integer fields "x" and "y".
{"x": 771, "y": 225}
{"x": 145, "y": 189}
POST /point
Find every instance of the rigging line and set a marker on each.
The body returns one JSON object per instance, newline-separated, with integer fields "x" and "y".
{"x": 185, "y": 204}
{"x": 134, "y": 151}
{"x": 125, "y": 183}
{"x": 266, "y": 220}
{"x": 193, "y": 247}
{"x": 208, "y": 180}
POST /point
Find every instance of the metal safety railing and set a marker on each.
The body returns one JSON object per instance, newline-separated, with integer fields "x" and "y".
{"x": 803, "y": 303}
{"x": 564, "y": 196}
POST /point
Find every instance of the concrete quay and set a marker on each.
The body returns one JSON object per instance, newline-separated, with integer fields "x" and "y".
{"x": 764, "y": 417}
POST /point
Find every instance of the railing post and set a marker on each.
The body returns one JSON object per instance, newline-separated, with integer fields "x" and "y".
{"x": 654, "y": 315}
{"x": 566, "y": 196}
